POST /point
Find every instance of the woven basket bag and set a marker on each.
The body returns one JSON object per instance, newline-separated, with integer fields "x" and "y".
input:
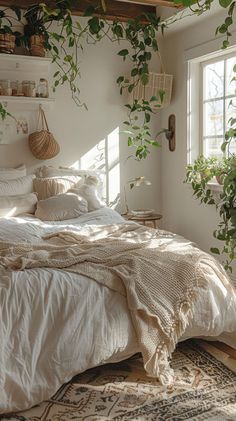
{"x": 42, "y": 143}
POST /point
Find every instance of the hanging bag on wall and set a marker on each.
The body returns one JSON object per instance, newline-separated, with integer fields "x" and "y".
{"x": 42, "y": 143}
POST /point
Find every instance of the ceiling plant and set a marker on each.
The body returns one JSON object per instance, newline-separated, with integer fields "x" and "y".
{"x": 64, "y": 37}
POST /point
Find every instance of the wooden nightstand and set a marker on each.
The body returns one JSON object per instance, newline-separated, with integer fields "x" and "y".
{"x": 152, "y": 219}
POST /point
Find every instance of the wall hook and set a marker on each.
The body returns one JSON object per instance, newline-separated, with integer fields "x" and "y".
{"x": 170, "y": 132}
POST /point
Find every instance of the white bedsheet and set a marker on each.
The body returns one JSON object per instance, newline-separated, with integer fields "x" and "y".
{"x": 55, "y": 324}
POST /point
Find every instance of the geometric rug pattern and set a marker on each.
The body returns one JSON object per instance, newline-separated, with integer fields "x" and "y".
{"x": 204, "y": 390}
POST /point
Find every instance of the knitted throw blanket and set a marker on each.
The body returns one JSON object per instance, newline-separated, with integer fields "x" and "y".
{"x": 159, "y": 273}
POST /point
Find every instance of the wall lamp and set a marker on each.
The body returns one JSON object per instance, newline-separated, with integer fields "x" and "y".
{"x": 170, "y": 132}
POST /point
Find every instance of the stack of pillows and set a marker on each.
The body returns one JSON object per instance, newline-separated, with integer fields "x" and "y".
{"x": 56, "y": 193}
{"x": 16, "y": 192}
{"x": 65, "y": 193}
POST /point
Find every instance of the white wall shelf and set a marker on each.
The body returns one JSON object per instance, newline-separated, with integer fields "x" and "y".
{"x": 14, "y": 62}
{"x": 27, "y": 103}
{"x": 20, "y": 67}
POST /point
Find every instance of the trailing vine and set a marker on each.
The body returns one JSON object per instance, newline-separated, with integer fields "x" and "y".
{"x": 64, "y": 39}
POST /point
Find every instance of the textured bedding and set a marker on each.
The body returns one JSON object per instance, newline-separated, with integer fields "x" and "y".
{"x": 56, "y": 323}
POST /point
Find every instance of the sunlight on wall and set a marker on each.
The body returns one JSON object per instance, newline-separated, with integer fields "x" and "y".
{"x": 104, "y": 157}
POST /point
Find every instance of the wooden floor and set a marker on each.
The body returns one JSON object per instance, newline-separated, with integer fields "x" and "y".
{"x": 222, "y": 352}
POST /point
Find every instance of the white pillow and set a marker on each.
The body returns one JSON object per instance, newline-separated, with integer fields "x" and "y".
{"x": 15, "y": 205}
{"x": 22, "y": 185}
{"x": 61, "y": 207}
{"x": 12, "y": 173}
{"x": 48, "y": 187}
{"x": 89, "y": 191}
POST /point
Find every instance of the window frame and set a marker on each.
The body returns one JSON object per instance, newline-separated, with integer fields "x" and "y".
{"x": 193, "y": 58}
{"x": 224, "y": 98}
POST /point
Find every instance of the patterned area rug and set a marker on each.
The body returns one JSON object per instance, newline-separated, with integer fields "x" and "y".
{"x": 204, "y": 390}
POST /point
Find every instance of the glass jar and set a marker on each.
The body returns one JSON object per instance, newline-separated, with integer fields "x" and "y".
{"x": 26, "y": 87}
{"x": 32, "y": 89}
{"x": 6, "y": 87}
{"x": 14, "y": 87}
{"x": 42, "y": 88}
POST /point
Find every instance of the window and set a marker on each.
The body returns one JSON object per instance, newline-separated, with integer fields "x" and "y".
{"x": 218, "y": 90}
{"x": 210, "y": 92}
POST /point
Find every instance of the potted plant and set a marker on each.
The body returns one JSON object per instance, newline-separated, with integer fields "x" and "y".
{"x": 200, "y": 173}
{"x": 7, "y": 35}
{"x": 35, "y": 34}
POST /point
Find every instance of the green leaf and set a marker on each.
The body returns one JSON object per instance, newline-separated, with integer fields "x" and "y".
{"x": 119, "y": 79}
{"x": 225, "y": 3}
{"x": 162, "y": 95}
{"x": 134, "y": 72}
{"x": 123, "y": 53}
{"x": 130, "y": 142}
{"x": 215, "y": 250}
{"x": 94, "y": 26}
{"x": 144, "y": 78}
{"x": 147, "y": 117}
{"x": 130, "y": 88}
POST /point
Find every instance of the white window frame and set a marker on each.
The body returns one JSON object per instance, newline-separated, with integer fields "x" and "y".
{"x": 203, "y": 64}
{"x": 194, "y": 57}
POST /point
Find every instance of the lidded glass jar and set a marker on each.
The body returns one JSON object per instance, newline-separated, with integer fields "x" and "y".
{"x": 42, "y": 88}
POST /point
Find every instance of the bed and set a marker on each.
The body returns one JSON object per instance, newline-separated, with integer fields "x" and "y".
{"x": 56, "y": 323}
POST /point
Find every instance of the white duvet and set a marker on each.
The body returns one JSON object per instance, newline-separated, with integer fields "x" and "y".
{"x": 55, "y": 324}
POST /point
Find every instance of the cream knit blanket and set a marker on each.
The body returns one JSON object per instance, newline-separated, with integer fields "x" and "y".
{"x": 159, "y": 273}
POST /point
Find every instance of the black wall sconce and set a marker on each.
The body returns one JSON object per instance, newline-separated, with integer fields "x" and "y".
{"x": 170, "y": 132}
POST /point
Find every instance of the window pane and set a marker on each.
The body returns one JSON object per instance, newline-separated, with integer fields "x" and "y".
{"x": 211, "y": 148}
{"x": 214, "y": 80}
{"x": 213, "y": 118}
{"x": 230, "y": 111}
{"x": 232, "y": 148}
{"x": 230, "y": 85}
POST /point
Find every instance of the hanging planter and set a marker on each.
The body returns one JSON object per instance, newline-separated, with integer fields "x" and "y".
{"x": 159, "y": 85}
{"x": 7, "y": 43}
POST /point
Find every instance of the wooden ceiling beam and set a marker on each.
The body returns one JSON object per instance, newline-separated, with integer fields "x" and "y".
{"x": 164, "y": 3}
{"x": 115, "y": 9}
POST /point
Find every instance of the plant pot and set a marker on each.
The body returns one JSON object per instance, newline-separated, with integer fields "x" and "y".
{"x": 37, "y": 45}
{"x": 220, "y": 178}
{"x": 7, "y": 43}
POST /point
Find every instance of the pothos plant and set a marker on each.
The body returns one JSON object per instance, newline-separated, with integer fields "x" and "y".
{"x": 202, "y": 172}
{"x": 65, "y": 38}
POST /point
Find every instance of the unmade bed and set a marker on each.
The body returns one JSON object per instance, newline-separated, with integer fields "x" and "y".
{"x": 56, "y": 323}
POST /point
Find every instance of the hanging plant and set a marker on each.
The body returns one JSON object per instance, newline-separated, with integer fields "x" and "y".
{"x": 65, "y": 41}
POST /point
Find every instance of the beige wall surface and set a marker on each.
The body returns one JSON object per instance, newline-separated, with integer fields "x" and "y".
{"x": 181, "y": 212}
{"x": 81, "y": 133}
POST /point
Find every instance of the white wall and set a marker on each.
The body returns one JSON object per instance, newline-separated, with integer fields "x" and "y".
{"x": 78, "y": 130}
{"x": 182, "y": 213}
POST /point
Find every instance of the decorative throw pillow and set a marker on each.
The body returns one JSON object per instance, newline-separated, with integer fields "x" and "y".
{"x": 22, "y": 185}
{"x": 15, "y": 205}
{"x": 89, "y": 191}
{"x": 48, "y": 187}
{"x": 61, "y": 207}
{"x": 12, "y": 173}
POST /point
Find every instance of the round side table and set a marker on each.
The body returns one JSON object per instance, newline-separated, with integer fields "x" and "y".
{"x": 144, "y": 219}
